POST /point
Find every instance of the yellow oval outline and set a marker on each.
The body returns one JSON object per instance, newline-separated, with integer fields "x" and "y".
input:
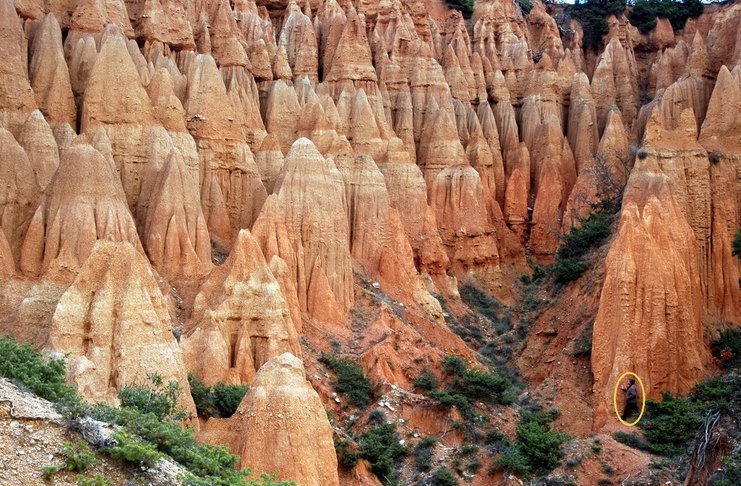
{"x": 614, "y": 399}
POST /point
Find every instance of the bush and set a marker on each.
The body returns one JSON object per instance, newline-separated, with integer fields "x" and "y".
{"x": 380, "y": 446}
{"x": 465, "y": 7}
{"x": 24, "y": 364}
{"x": 423, "y": 453}
{"x": 449, "y": 400}
{"x": 97, "y": 480}
{"x": 221, "y": 400}
{"x": 486, "y": 305}
{"x": 350, "y": 381}
{"x": 159, "y": 399}
{"x": 480, "y": 385}
{"x": 454, "y": 365}
{"x": 78, "y": 456}
{"x": 644, "y": 12}
{"x": 132, "y": 451}
{"x": 444, "y": 477}
{"x": 48, "y": 471}
{"x": 569, "y": 269}
{"x": 526, "y": 6}
{"x": 425, "y": 382}
{"x": 592, "y": 15}
{"x": 631, "y": 440}
{"x": 737, "y": 243}
{"x": 346, "y": 456}
{"x": 536, "y": 450}
{"x": 728, "y": 347}
{"x": 669, "y": 424}
{"x": 717, "y": 393}
{"x": 591, "y": 232}
{"x": 206, "y": 464}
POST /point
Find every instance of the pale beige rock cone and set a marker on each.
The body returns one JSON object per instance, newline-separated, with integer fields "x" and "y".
{"x": 16, "y": 97}
{"x": 7, "y": 263}
{"x": 19, "y": 192}
{"x": 173, "y": 229}
{"x": 49, "y": 74}
{"x": 37, "y": 139}
{"x": 240, "y": 318}
{"x": 310, "y": 200}
{"x": 75, "y": 213}
{"x": 113, "y": 325}
{"x": 284, "y": 426}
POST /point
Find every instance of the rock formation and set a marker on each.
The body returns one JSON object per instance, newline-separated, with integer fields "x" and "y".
{"x": 76, "y": 212}
{"x": 282, "y": 426}
{"x": 240, "y": 318}
{"x": 114, "y": 325}
{"x": 309, "y": 199}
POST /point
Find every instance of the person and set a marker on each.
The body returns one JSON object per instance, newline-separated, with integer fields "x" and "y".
{"x": 631, "y": 399}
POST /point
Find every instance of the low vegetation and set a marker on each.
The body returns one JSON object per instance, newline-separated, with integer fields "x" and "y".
{"x": 592, "y": 14}
{"x": 444, "y": 477}
{"x": 380, "y": 445}
{"x": 644, "y": 13}
{"x": 423, "y": 453}
{"x": 220, "y": 400}
{"x": 463, "y": 386}
{"x": 350, "y": 380}
{"x": 464, "y": 6}
{"x": 591, "y": 232}
{"x": 536, "y": 450}
{"x": 23, "y": 364}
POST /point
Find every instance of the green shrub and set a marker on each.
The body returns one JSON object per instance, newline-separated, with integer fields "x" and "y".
{"x": 423, "y": 453}
{"x": 426, "y": 382}
{"x": 448, "y": 399}
{"x": 591, "y": 232}
{"x": 480, "y": 385}
{"x": 206, "y": 464}
{"x": 631, "y": 440}
{"x": 97, "y": 480}
{"x": 346, "y": 456}
{"x": 159, "y": 399}
{"x": 536, "y": 450}
{"x": 669, "y": 425}
{"x": 78, "y": 456}
{"x": 569, "y": 269}
{"x": 454, "y": 365}
{"x": 526, "y": 6}
{"x": 380, "y": 446}
{"x": 592, "y": 15}
{"x": 350, "y": 381}
{"x": 717, "y": 393}
{"x": 132, "y": 451}
{"x": 737, "y": 243}
{"x": 730, "y": 472}
{"x": 464, "y": 6}
{"x": 48, "y": 471}
{"x": 644, "y": 12}
{"x": 728, "y": 347}
{"x": 221, "y": 400}
{"x": 444, "y": 477}
{"x": 514, "y": 461}
{"x": 25, "y": 364}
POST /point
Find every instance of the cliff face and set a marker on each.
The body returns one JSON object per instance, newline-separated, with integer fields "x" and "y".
{"x": 256, "y": 175}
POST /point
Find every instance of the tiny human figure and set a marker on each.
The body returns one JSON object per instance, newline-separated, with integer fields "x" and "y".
{"x": 631, "y": 399}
